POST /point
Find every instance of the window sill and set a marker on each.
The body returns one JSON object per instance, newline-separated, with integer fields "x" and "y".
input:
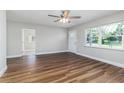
{"x": 104, "y": 48}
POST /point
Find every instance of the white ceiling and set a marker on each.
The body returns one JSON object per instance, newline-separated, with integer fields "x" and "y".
{"x": 41, "y": 16}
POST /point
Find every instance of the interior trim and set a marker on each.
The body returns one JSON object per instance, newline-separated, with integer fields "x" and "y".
{"x": 3, "y": 71}
{"x": 41, "y": 53}
{"x": 14, "y": 56}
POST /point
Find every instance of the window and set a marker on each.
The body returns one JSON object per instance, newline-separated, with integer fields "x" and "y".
{"x": 107, "y": 36}
{"x": 93, "y": 37}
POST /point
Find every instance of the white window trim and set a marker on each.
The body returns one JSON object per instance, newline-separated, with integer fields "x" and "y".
{"x": 104, "y": 48}
{"x": 101, "y": 47}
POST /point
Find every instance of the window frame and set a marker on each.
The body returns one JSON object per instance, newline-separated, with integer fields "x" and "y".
{"x": 100, "y": 37}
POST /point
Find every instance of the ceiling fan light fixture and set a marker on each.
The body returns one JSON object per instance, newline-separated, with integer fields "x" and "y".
{"x": 61, "y": 20}
{"x": 64, "y": 20}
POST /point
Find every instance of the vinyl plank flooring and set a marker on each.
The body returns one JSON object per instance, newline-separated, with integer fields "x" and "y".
{"x": 60, "y": 68}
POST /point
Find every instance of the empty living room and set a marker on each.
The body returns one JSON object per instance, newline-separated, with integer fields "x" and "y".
{"x": 61, "y": 46}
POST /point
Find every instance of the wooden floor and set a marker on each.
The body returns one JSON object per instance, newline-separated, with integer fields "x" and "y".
{"x": 61, "y": 67}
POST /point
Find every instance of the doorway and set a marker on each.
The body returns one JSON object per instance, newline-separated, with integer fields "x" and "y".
{"x": 72, "y": 41}
{"x": 28, "y": 41}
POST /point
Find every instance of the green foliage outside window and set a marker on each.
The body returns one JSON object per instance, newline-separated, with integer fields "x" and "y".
{"x": 111, "y": 35}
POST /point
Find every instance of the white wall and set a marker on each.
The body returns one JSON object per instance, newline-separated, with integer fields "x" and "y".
{"x": 48, "y": 39}
{"x": 3, "y": 65}
{"x": 111, "y": 56}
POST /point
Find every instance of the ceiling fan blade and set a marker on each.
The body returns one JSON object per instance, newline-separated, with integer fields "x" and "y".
{"x": 57, "y": 20}
{"x": 53, "y": 16}
{"x": 74, "y": 17}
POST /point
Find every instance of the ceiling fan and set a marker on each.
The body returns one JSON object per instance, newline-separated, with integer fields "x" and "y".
{"x": 64, "y": 17}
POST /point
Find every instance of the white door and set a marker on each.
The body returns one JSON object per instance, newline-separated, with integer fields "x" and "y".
{"x": 28, "y": 40}
{"x": 73, "y": 41}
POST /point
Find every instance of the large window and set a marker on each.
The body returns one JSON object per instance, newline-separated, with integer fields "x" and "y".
{"x": 107, "y": 36}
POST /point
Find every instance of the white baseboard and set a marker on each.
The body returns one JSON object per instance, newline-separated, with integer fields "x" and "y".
{"x": 100, "y": 59}
{"x": 3, "y": 71}
{"x": 92, "y": 57}
{"x": 14, "y": 56}
{"x": 51, "y": 52}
